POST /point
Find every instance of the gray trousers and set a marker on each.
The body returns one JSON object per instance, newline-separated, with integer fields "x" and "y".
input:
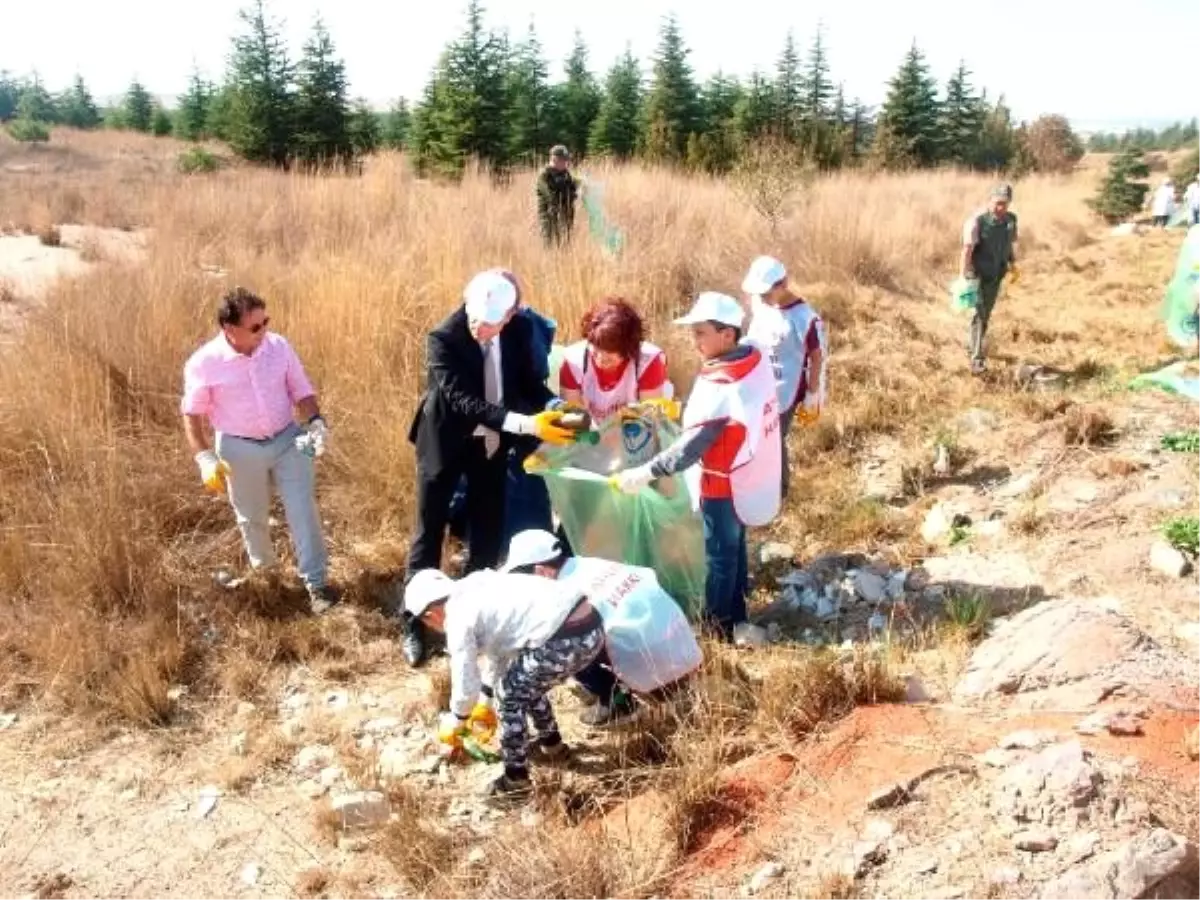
{"x": 253, "y": 466}
{"x": 988, "y": 291}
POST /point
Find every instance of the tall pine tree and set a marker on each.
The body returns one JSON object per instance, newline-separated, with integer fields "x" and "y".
{"x": 817, "y": 137}
{"x": 397, "y": 126}
{"x": 10, "y": 94}
{"x": 191, "y": 119}
{"x": 463, "y": 112}
{"x": 363, "y": 128}
{"x": 617, "y": 128}
{"x": 756, "y": 114}
{"x": 997, "y": 147}
{"x": 77, "y": 108}
{"x": 789, "y": 91}
{"x": 578, "y": 100}
{"x": 961, "y": 119}
{"x": 34, "y": 104}
{"x": 714, "y": 149}
{"x": 908, "y": 122}
{"x": 261, "y": 105}
{"x": 138, "y": 113}
{"x": 321, "y": 135}
{"x": 672, "y": 110}
{"x": 529, "y": 112}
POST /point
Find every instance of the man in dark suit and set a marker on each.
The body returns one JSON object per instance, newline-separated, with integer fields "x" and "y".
{"x": 483, "y": 393}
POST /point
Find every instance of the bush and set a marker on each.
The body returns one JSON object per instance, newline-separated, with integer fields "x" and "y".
{"x": 197, "y": 160}
{"x": 1120, "y": 196}
{"x": 1052, "y": 146}
{"x": 29, "y": 131}
{"x": 1185, "y": 172}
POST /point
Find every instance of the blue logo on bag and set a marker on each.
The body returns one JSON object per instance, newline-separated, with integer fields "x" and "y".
{"x": 636, "y": 436}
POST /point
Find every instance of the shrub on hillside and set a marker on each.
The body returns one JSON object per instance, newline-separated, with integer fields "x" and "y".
{"x": 1052, "y": 145}
{"x": 196, "y": 160}
{"x": 1120, "y": 194}
{"x": 1186, "y": 170}
{"x": 28, "y": 131}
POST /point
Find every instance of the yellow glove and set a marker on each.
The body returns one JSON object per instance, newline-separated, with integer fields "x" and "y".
{"x": 806, "y": 416}
{"x": 213, "y": 471}
{"x": 452, "y": 729}
{"x": 669, "y": 406}
{"x": 1014, "y": 274}
{"x": 483, "y": 721}
{"x": 546, "y": 428}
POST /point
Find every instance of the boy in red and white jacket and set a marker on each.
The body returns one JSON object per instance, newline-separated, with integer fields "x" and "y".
{"x": 729, "y": 452}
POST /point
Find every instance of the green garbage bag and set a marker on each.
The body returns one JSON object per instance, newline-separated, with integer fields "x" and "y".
{"x": 964, "y": 293}
{"x": 655, "y": 528}
{"x": 608, "y": 236}
{"x": 1180, "y": 305}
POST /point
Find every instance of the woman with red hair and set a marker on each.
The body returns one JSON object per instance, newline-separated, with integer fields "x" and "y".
{"x": 612, "y": 366}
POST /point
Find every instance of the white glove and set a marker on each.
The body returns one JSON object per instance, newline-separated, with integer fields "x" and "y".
{"x": 633, "y": 480}
{"x": 318, "y": 431}
{"x": 212, "y": 470}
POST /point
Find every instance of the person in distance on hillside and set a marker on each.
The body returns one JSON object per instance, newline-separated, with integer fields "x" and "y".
{"x": 532, "y": 634}
{"x": 649, "y": 646}
{"x": 482, "y": 391}
{"x": 1162, "y": 204}
{"x": 989, "y": 253}
{"x": 729, "y": 452}
{"x": 557, "y": 189}
{"x": 793, "y": 334}
{"x": 246, "y": 381}
{"x": 1191, "y": 198}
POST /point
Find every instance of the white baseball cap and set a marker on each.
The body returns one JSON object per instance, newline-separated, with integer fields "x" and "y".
{"x": 765, "y": 272}
{"x": 530, "y": 547}
{"x": 488, "y": 297}
{"x": 426, "y": 588}
{"x": 714, "y": 307}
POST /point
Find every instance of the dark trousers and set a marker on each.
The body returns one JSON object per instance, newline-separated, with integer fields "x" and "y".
{"x": 599, "y": 679}
{"x": 786, "y": 419}
{"x": 728, "y": 568}
{"x": 485, "y": 480}
{"x": 989, "y": 290}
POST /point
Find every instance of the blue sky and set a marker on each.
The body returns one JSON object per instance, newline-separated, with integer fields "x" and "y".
{"x": 1123, "y": 64}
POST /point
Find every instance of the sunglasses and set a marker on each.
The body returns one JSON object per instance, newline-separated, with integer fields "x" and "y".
{"x": 261, "y": 326}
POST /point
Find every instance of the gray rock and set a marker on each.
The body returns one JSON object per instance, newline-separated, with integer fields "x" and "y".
{"x": 1056, "y": 643}
{"x": 869, "y": 586}
{"x": 867, "y": 854}
{"x": 998, "y": 758}
{"x": 361, "y": 809}
{"x": 1131, "y": 870}
{"x": 1035, "y": 840}
{"x": 897, "y": 583}
{"x": 1044, "y": 787}
{"x": 1166, "y": 559}
{"x": 383, "y": 725}
{"x": 914, "y": 690}
{"x": 746, "y": 634}
{"x": 1081, "y": 846}
{"x": 1124, "y": 723}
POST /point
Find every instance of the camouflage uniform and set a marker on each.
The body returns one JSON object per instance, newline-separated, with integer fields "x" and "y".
{"x": 556, "y": 192}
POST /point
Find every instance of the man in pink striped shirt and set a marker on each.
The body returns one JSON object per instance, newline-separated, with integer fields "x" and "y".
{"x": 248, "y": 383}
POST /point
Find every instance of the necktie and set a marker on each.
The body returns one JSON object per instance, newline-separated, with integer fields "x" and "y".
{"x": 491, "y": 393}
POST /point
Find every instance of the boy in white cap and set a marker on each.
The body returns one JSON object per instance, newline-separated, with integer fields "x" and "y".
{"x": 483, "y": 388}
{"x": 789, "y": 329}
{"x": 649, "y": 644}
{"x": 729, "y": 452}
{"x": 532, "y": 634}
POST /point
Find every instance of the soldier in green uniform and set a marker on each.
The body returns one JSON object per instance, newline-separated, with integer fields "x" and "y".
{"x": 989, "y": 253}
{"x": 556, "y": 192}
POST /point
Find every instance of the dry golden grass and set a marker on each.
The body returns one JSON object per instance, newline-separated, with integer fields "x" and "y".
{"x": 107, "y": 542}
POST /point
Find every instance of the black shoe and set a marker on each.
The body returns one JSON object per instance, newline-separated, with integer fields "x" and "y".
{"x": 321, "y": 599}
{"x": 505, "y": 791}
{"x": 413, "y": 644}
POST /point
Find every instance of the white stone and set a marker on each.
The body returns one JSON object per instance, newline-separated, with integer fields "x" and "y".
{"x": 1166, "y": 559}
{"x": 207, "y": 801}
{"x": 370, "y": 701}
{"x": 1035, "y": 840}
{"x": 1096, "y": 723}
{"x": 477, "y": 856}
{"x": 997, "y": 758}
{"x": 879, "y": 830}
{"x": 924, "y": 865}
{"x": 937, "y": 524}
{"x": 311, "y": 789}
{"x": 383, "y": 725}
{"x": 251, "y": 872}
{"x": 337, "y": 699}
{"x": 237, "y": 743}
{"x": 361, "y": 809}
{"x": 773, "y": 551}
{"x": 314, "y": 758}
{"x": 330, "y": 776}
{"x": 1005, "y": 875}
{"x": 176, "y": 692}
{"x": 353, "y": 843}
{"x": 296, "y": 702}
{"x": 245, "y": 708}
{"x": 7, "y": 720}
{"x": 746, "y": 634}
{"x": 764, "y": 876}
{"x": 1081, "y": 846}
